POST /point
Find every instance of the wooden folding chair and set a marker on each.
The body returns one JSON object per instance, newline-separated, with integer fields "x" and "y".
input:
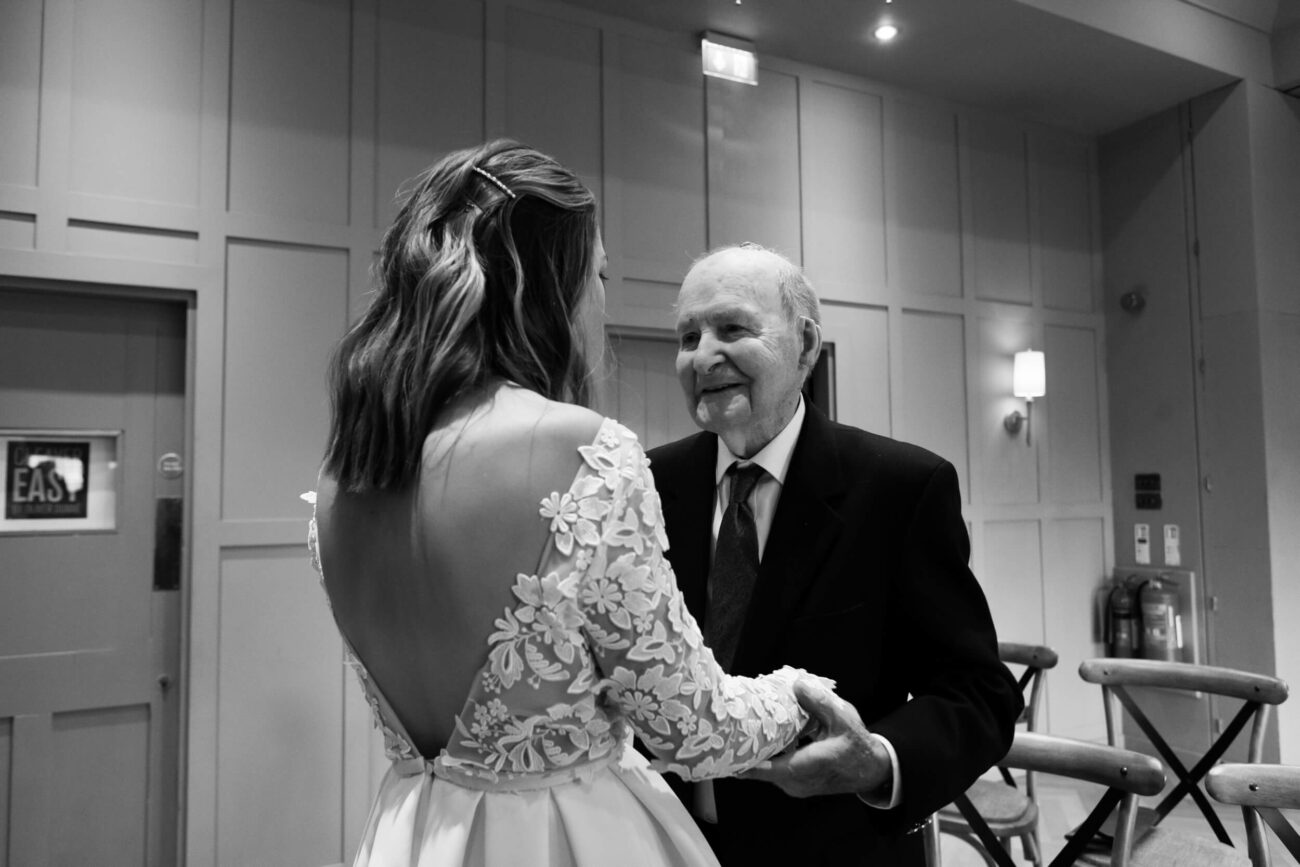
{"x": 1262, "y": 792}
{"x": 1258, "y": 693}
{"x": 1008, "y": 811}
{"x": 1125, "y": 774}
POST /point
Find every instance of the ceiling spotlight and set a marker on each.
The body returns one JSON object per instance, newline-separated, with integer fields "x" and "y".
{"x": 886, "y": 32}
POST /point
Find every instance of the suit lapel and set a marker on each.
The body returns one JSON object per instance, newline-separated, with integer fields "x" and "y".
{"x": 804, "y": 529}
{"x": 687, "y": 492}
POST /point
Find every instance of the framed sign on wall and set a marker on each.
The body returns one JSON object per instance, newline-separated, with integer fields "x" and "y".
{"x": 59, "y": 481}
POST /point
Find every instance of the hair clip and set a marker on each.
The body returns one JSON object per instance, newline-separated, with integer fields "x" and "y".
{"x": 493, "y": 178}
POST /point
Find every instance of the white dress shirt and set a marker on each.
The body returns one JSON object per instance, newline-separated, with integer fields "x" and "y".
{"x": 775, "y": 459}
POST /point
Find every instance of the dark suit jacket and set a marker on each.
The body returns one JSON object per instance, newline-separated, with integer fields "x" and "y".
{"x": 865, "y": 580}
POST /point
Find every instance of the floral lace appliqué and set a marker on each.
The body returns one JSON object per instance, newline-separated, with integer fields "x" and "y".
{"x": 600, "y": 640}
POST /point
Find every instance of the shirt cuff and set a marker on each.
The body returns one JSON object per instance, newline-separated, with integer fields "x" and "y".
{"x": 877, "y": 798}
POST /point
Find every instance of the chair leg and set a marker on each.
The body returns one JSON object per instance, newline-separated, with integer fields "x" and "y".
{"x": 933, "y": 858}
{"x": 1033, "y": 847}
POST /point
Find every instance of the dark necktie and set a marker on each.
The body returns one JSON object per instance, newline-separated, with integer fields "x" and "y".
{"x": 735, "y": 567}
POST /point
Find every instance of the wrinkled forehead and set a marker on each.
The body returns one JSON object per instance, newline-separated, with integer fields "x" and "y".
{"x": 732, "y": 279}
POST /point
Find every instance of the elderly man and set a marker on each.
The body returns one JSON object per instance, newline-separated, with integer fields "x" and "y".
{"x": 845, "y": 554}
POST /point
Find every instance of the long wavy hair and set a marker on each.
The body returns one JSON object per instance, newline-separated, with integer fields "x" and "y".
{"x": 480, "y": 277}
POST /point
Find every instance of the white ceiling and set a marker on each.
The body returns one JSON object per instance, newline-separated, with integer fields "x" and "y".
{"x": 1001, "y": 55}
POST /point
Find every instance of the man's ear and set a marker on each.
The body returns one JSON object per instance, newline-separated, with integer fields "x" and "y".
{"x": 810, "y": 342}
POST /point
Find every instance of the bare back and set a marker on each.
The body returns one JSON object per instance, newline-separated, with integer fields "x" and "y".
{"x": 417, "y": 577}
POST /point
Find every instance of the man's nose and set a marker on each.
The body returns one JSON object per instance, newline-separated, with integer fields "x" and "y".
{"x": 708, "y": 354}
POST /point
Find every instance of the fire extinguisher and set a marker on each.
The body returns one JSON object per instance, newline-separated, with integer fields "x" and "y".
{"x": 1161, "y": 633}
{"x": 1121, "y": 620}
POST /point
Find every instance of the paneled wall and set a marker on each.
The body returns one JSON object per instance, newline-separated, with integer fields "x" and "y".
{"x": 246, "y": 156}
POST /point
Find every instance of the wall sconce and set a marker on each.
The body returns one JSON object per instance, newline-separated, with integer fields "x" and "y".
{"x": 1028, "y": 380}
{"x": 729, "y": 58}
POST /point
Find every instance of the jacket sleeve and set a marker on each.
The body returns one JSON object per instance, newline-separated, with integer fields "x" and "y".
{"x": 961, "y": 717}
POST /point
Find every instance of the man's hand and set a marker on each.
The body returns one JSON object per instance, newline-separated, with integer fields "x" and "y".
{"x": 843, "y": 759}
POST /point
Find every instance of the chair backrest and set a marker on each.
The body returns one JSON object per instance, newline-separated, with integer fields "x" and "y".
{"x": 1036, "y": 659}
{"x": 1261, "y": 791}
{"x": 1125, "y": 774}
{"x": 1258, "y": 693}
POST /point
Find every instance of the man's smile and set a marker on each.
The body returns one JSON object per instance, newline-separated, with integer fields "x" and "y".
{"x": 719, "y": 388}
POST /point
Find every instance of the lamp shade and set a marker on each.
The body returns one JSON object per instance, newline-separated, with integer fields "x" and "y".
{"x": 1029, "y": 377}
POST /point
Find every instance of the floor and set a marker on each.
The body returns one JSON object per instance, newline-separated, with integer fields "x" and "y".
{"x": 1063, "y": 804}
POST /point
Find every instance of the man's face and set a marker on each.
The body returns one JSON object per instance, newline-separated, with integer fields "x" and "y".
{"x": 740, "y": 361}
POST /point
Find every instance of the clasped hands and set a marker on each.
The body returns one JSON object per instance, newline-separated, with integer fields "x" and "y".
{"x": 842, "y": 757}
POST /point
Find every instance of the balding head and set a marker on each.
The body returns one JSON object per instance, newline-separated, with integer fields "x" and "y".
{"x": 798, "y": 298}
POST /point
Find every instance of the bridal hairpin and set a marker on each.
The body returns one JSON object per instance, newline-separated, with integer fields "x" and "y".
{"x": 493, "y": 178}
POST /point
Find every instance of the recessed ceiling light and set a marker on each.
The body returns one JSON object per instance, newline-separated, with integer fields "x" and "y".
{"x": 886, "y": 32}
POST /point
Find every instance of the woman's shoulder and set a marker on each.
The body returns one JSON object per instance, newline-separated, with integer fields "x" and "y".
{"x": 518, "y": 429}
{"x": 568, "y": 432}
{"x": 569, "y": 424}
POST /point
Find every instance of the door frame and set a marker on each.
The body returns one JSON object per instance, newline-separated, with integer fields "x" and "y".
{"x": 188, "y": 298}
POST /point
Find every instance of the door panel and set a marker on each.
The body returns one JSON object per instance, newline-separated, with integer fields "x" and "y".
{"x": 89, "y": 651}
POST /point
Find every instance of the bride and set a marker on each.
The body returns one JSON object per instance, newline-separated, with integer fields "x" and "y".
{"x": 492, "y": 550}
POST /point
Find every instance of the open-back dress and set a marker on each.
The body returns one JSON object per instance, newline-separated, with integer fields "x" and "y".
{"x": 593, "y": 647}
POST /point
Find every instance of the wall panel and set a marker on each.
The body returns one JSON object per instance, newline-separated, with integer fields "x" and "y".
{"x": 1280, "y": 339}
{"x": 660, "y": 141}
{"x": 20, "y": 70}
{"x": 1074, "y": 474}
{"x": 999, "y": 205}
{"x": 280, "y": 716}
{"x": 17, "y": 231}
{"x": 6, "y": 784}
{"x": 754, "y": 162}
{"x": 934, "y": 388}
{"x": 924, "y": 208}
{"x": 843, "y": 192}
{"x": 1011, "y": 576}
{"x": 135, "y": 99}
{"x": 132, "y": 242}
{"x": 99, "y": 756}
{"x": 1234, "y": 511}
{"x": 289, "y": 109}
{"x": 1074, "y": 565}
{"x": 553, "y": 90}
{"x": 1065, "y": 221}
{"x": 1008, "y": 468}
{"x": 429, "y": 98}
{"x": 276, "y": 410}
{"x": 862, "y": 368}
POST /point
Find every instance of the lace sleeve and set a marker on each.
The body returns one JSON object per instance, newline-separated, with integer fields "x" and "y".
{"x": 698, "y": 721}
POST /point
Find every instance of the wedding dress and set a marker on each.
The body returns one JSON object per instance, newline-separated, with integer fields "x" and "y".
{"x": 597, "y": 645}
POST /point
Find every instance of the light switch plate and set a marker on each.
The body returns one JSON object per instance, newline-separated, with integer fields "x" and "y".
{"x": 1173, "y": 546}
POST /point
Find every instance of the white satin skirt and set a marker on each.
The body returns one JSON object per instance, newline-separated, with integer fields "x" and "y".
{"x": 617, "y": 812}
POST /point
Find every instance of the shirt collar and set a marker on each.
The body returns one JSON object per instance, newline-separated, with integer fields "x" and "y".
{"x": 773, "y": 457}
